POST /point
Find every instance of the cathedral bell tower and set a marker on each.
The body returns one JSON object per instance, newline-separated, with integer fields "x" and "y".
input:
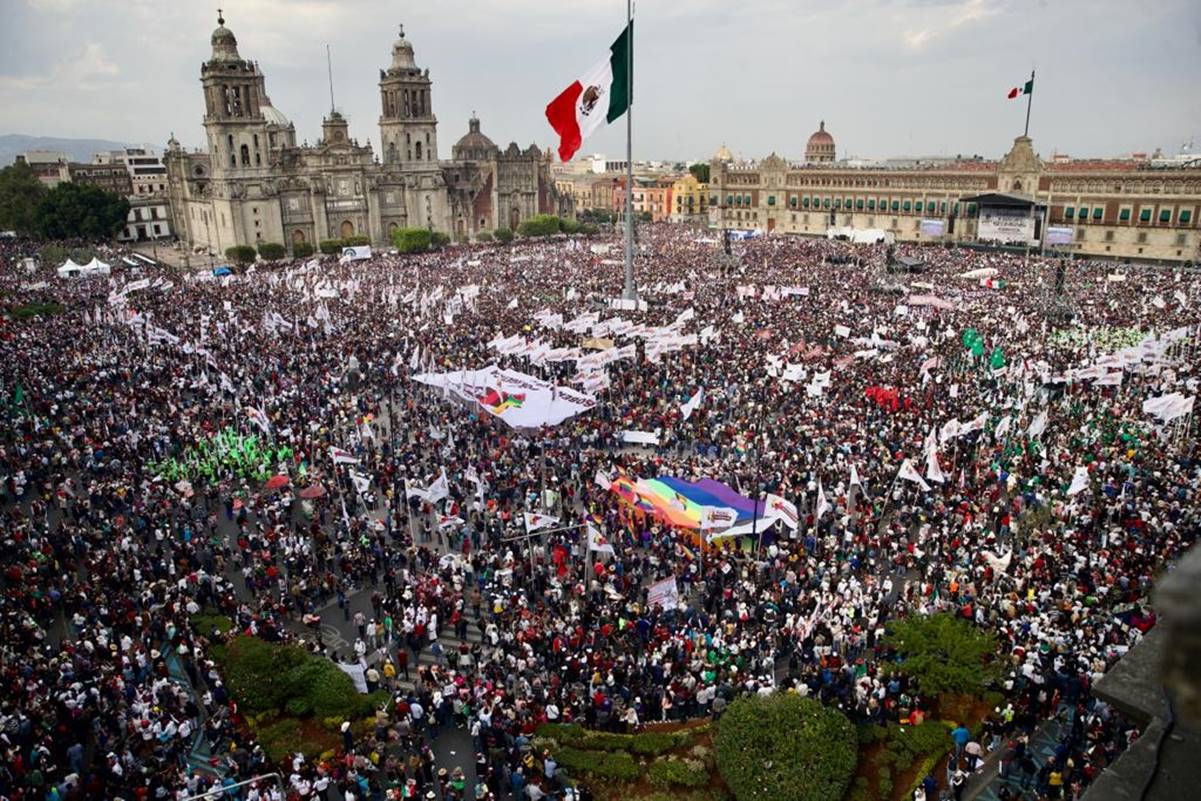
{"x": 234, "y": 97}
{"x": 408, "y": 127}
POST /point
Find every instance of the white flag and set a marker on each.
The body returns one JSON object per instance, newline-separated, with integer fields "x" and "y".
{"x": 439, "y": 489}
{"x": 1002, "y": 428}
{"x": 785, "y": 510}
{"x": 823, "y": 505}
{"x": 691, "y": 406}
{"x": 1038, "y": 426}
{"x": 933, "y": 468}
{"x": 259, "y": 418}
{"x": 908, "y": 473}
{"x": 603, "y": 479}
{"x": 1079, "y": 481}
{"x": 341, "y": 456}
{"x": 598, "y": 542}
{"x": 855, "y": 482}
{"x": 414, "y": 491}
{"x": 535, "y": 522}
{"x": 361, "y": 481}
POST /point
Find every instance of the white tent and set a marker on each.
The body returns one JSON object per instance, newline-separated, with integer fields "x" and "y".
{"x": 72, "y": 270}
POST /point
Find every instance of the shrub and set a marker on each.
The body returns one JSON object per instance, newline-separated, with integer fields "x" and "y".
{"x": 917, "y": 740}
{"x": 211, "y": 625}
{"x": 411, "y": 240}
{"x": 299, "y": 707}
{"x": 589, "y": 229}
{"x": 563, "y": 733}
{"x": 503, "y": 235}
{"x": 866, "y": 733}
{"x": 240, "y": 254}
{"x": 439, "y": 239}
{"x": 884, "y": 783}
{"x": 539, "y": 225}
{"x": 302, "y": 250}
{"x": 272, "y": 250}
{"x": 356, "y": 240}
{"x": 944, "y": 654}
{"x": 785, "y": 748}
{"x": 28, "y": 310}
{"x": 568, "y": 225}
{"x": 330, "y": 246}
{"x": 281, "y": 740}
{"x": 484, "y": 236}
{"x": 671, "y": 771}
{"x": 603, "y": 765}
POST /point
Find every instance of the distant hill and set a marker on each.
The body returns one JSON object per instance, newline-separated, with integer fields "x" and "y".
{"x": 76, "y": 149}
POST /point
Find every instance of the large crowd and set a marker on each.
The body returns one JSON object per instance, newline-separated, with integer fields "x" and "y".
{"x": 926, "y": 476}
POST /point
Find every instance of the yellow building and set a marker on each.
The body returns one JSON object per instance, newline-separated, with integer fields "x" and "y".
{"x": 1114, "y": 208}
{"x": 689, "y": 199}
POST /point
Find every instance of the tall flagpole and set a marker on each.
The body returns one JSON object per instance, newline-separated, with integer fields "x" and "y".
{"x": 630, "y": 292}
{"x": 1029, "y": 103}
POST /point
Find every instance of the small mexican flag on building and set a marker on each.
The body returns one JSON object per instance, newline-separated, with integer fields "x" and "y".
{"x": 1018, "y": 91}
{"x": 600, "y": 96}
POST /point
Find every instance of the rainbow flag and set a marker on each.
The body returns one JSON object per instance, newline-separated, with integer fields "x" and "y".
{"x": 679, "y": 503}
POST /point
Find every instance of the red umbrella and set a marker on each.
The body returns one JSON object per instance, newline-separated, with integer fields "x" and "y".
{"x": 275, "y": 482}
{"x": 315, "y": 491}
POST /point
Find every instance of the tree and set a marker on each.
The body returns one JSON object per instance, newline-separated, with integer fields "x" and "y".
{"x": 356, "y": 240}
{"x": 439, "y": 240}
{"x": 484, "y": 236}
{"x": 240, "y": 254}
{"x": 83, "y": 211}
{"x": 589, "y": 229}
{"x": 944, "y": 654}
{"x": 700, "y": 171}
{"x": 302, "y": 249}
{"x": 785, "y": 748}
{"x": 503, "y": 235}
{"x": 539, "y": 225}
{"x": 20, "y": 194}
{"x": 411, "y": 240}
{"x": 569, "y": 226}
{"x": 645, "y": 216}
{"x": 272, "y": 250}
{"x": 330, "y": 246}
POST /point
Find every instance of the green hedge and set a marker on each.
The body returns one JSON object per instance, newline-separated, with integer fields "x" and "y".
{"x": 539, "y": 225}
{"x": 412, "y": 240}
{"x": 670, "y": 771}
{"x": 647, "y": 743}
{"x": 240, "y": 254}
{"x": 272, "y": 250}
{"x": 330, "y": 246}
{"x": 268, "y": 677}
{"x": 302, "y": 250}
{"x": 356, "y": 240}
{"x": 211, "y": 625}
{"x": 603, "y": 765}
{"x": 785, "y": 748}
{"x": 439, "y": 239}
{"x": 503, "y": 235}
{"x": 484, "y": 236}
{"x": 28, "y": 310}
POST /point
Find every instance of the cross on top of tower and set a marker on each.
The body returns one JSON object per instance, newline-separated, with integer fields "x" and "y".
{"x": 220, "y": 19}
{"x": 402, "y": 30}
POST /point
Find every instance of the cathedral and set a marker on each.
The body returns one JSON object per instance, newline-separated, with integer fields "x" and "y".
{"x": 255, "y": 184}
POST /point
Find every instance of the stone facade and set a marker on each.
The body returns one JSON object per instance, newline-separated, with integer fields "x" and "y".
{"x": 254, "y": 184}
{"x": 1131, "y": 209}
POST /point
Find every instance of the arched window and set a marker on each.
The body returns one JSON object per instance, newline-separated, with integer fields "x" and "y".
{"x": 347, "y": 229}
{"x": 391, "y": 152}
{"x": 419, "y": 150}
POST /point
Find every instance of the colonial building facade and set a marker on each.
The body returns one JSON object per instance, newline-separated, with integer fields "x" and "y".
{"x": 254, "y": 184}
{"x": 1117, "y": 208}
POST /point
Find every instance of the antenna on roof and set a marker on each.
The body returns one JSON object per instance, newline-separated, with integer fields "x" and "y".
{"x": 329, "y": 66}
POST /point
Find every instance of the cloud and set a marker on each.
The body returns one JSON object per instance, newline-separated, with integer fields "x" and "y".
{"x": 948, "y": 20}
{"x": 80, "y": 70}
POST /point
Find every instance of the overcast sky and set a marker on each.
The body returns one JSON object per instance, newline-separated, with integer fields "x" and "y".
{"x": 889, "y": 77}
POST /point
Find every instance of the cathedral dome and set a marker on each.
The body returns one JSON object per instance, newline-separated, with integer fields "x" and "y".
{"x": 820, "y": 146}
{"x": 271, "y": 114}
{"x": 723, "y": 154}
{"x": 474, "y": 145}
{"x": 225, "y": 44}
{"x": 402, "y": 53}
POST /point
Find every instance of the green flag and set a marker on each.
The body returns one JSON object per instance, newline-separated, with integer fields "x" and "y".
{"x": 997, "y": 360}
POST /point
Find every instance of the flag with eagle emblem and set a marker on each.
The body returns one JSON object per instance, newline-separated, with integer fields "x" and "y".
{"x": 598, "y": 97}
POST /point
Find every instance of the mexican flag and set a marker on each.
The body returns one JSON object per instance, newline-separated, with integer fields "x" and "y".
{"x": 596, "y": 98}
{"x": 1018, "y": 91}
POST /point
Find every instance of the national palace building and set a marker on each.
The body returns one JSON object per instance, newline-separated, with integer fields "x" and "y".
{"x": 1123, "y": 209}
{"x": 254, "y": 184}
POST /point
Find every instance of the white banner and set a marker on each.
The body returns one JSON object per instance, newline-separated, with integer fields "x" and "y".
{"x": 663, "y": 594}
{"x": 518, "y": 399}
{"x": 640, "y": 437}
{"x": 357, "y": 674}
